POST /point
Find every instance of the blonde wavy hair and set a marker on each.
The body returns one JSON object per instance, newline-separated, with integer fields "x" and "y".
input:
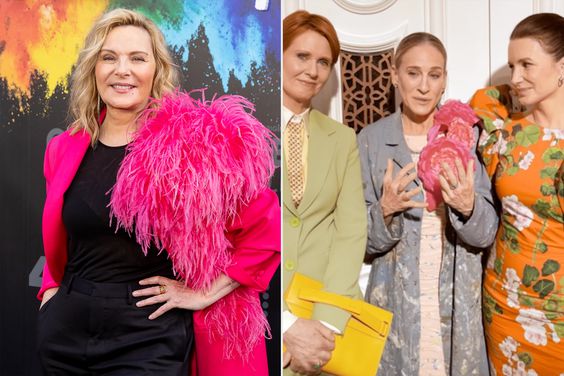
{"x": 85, "y": 103}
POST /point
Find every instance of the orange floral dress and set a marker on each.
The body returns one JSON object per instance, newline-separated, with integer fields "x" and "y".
{"x": 523, "y": 299}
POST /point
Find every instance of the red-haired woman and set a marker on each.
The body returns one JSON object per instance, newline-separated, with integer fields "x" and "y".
{"x": 324, "y": 216}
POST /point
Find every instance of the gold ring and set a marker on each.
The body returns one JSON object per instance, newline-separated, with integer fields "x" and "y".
{"x": 162, "y": 289}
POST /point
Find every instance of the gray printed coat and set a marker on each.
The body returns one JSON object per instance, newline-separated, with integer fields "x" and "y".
{"x": 394, "y": 277}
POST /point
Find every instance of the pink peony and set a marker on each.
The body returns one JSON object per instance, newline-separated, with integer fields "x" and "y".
{"x": 436, "y": 152}
{"x": 451, "y": 137}
{"x": 454, "y": 111}
{"x": 435, "y": 131}
{"x": 462, "y": 133}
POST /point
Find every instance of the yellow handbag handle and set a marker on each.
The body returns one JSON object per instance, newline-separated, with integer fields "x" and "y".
{"x": 339, "y": 301}
{"x": 353, "y": 306}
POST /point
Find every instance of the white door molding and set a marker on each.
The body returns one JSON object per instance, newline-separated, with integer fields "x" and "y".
{"x": 365, "y": 6}
{"x": 435, "y": 18}
{"x": 372, "y": 43}
{"x": 549, "y": 6}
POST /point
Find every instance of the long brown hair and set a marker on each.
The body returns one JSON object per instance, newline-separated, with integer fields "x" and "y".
{"x": 547, "y": 28}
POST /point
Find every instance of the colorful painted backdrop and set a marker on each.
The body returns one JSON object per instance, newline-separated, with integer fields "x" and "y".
{"x": 226, "y": 46}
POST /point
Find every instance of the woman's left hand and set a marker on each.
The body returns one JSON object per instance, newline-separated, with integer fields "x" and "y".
{"x": 172, "y": 293}
{"x": 458, "y": 191}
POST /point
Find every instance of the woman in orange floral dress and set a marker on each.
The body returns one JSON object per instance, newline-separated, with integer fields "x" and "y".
{"x": 523, "y": 153}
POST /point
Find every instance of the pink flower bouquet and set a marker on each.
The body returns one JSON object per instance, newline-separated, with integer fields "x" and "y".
{"x": 451, "y": 137}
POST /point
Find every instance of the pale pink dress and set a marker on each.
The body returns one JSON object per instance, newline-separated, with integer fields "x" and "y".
{"x": 431, "y": 357}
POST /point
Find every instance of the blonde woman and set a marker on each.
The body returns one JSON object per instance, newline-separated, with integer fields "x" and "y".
{"x": 95, "y": 318}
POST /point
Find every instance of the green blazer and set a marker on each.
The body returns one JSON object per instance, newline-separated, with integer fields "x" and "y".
{"x": 325, "y": 237}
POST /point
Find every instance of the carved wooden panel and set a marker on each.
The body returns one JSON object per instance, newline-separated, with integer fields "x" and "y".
{"x": 367, "y": 90}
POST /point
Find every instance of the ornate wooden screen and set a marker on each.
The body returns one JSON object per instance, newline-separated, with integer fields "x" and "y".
{"x": 366, "y": 84}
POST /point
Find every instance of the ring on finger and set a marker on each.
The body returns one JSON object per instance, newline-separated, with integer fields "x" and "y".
{"x": 162, "y": 289}
{"x": 453, "y": 186}
{"x": 317, "y": 365}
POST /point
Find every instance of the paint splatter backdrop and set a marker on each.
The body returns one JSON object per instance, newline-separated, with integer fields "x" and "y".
{"x": 45, "y": 36}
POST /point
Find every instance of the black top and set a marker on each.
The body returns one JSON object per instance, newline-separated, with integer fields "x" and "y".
{"x": 95, "y": 251}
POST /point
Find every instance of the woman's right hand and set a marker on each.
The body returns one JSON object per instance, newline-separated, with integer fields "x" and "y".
{"x": 310, "y": 345}
{"x": 48, "y": 294}
{"x": 394, "y": 196}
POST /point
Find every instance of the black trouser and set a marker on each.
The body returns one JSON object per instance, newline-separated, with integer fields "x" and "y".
{"x": 92, "y": 328}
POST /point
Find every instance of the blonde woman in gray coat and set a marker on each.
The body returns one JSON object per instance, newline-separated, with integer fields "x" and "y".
{"x": 426, "y": 266}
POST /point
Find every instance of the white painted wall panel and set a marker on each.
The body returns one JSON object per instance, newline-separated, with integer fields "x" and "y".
{"x": 467, "y": 44}
{"x": 289, "y": 6}
{"x": 505, "y": 15}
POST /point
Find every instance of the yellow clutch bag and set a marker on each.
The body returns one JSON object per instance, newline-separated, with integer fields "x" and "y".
{"x": 359, "y": 349}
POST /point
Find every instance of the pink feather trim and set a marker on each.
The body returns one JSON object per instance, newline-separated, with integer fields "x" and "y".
{"x": 191, "y": 166}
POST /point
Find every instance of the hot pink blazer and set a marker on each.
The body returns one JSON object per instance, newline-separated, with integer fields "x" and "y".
{"x": 255, "y": 236}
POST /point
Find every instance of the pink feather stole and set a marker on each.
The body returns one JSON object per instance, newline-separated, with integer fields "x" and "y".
{"x": 192, "y": 165}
